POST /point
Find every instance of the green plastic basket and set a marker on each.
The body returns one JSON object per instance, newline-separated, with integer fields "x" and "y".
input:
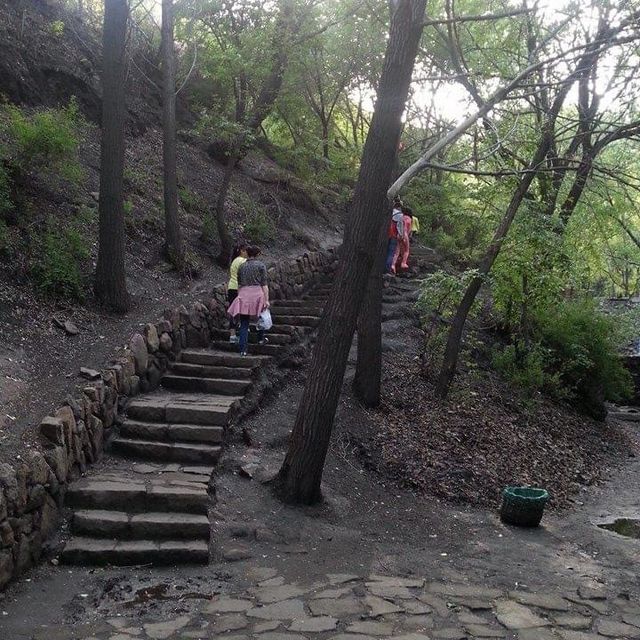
{"x": 523, "y": 506}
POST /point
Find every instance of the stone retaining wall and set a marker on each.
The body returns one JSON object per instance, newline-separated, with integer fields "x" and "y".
{"x": 32, "y": 490}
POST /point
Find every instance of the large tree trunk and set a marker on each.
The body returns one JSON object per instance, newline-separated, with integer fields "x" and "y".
{"x": 174, "y": 247}
{"x": 110, "y": 283}
{"x": 368, "y": 377}
{"x": 300, "y": 477}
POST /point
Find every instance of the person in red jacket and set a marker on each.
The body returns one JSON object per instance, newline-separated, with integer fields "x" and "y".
{"x": 401, "y": 253}
{"x": 395, "y": 231}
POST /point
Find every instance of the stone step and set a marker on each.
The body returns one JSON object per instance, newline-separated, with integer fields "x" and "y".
{"x": 291, "y": 303}
{"x": 254, "y": 349}
{"x": 213, "y": 358}
{"x": 141, "y": 526}
{"x": 314, "y": 310}
{"x": 103, "y": 551}
{"x": 205, "y": 385}
{"x": 274, "y": 338}
{"x": 303, "y": 321}
{"x": 206, "y": 371}
{"x": 184, "y": 408}
{"x": 134, "y": 496}
{"x": 142, "y": 449}
{"x": 206, "y": 434}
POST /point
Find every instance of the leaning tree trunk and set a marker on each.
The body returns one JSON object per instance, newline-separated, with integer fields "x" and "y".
{"x": 110, "y": 283}
{"x": 300, "y": 476}
{"x": 174, "y": 247}
{"x": 454, "y": 338}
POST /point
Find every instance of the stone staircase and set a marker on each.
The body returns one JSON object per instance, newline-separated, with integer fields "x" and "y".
{"x": 151, "y": 506}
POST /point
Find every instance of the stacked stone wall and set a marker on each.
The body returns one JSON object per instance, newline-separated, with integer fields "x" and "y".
{"x": 32, "y": 489}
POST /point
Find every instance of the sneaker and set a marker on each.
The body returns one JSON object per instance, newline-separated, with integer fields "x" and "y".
{"x": 234, "y": 339}
{"x": 264, "y": 341}
{"x": 243, "y": 353}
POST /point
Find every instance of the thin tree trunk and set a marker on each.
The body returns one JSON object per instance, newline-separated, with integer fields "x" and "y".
{"x": 110, "y": 282}
{"x": 325, "y": 138}
{"x": 368, "y": 378}
{"x": 454, "y": 338}
{"x": 174, "y": 247}
{"x": 300, "y": 477}
{"x": 226, "y": 241}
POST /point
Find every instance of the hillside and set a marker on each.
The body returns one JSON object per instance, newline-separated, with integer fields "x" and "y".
{"x": 39, "y": 360}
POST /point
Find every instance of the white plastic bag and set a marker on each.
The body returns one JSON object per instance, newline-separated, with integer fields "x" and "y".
{"x": 264, "y": 321}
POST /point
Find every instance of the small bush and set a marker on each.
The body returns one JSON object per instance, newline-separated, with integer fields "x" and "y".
{"x": 260, "y": 228}
{"x": 6, "y": 205}
{"x": 46, "y": 139}
{"x": 60, "y": 253}
{"x": 574, "y": 355}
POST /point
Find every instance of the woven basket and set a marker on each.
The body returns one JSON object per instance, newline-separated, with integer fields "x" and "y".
{"x": 523, "y": 506}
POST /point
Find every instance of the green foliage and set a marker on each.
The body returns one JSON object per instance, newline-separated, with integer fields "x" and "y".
{"x": 440, "y": 295}
{"x": 46, "y": 140}
{"x": 574, "y": 354}
{"x": 60, "y": 252}
{"x": 57, "y": 28}
{"x": 260, "y": 227}
{"x": 6, "y": 205}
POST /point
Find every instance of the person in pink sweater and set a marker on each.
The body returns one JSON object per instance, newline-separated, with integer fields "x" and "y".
{"x": 404, "y": 242}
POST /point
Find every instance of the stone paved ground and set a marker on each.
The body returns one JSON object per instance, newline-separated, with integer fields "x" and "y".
{"x": 374, "y": 607}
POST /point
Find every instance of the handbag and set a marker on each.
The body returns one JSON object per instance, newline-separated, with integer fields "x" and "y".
{"x": 264, "y": 321}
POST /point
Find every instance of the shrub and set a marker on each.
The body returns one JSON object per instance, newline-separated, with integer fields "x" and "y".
{"x": 260, "y": 227}
{"x": 60, "y": 253}
{"x": 46, "y": 139}
{"x": 573, "y": 355}
{"x": 6, "y": 205}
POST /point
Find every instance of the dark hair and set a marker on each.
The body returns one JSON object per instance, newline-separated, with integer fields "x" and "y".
{"x": 253, "y": 251}
{"x": 397, "y": 201}
{"x": 407, "y": 211}
{"x": 237, "y": 250}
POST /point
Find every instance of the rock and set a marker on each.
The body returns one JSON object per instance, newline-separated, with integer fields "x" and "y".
{"x": 465, "y": 591}
{"x": 336, "y": 607}
{"x": 285, "y": 610}
{"x": 95, "y": 195}
{"x": 341, "y": 578}
{"x": 151, "y": 334}
{"x": 332, "y": 593}
{"x": 6, "y": 535}
{"x": 416, "y": 608}
{"x": 161, "y": 630}
{"x": 577, "y": 622}
{"x": 314, "y": 625}
{"x": 540, "y": 600}
{"x": 613, "y": 629}
{"x": 269, "y": 625}
{"x": 516, "y": 616}
{"x": 388, "y": 591}
{"x": 53, "y": 430}
{"x": 368, "y": 627}
{"x": 71, "y": 329}
{"x": 268, "y": 595}
{"x": 381, "y": 607}
{"x": 89, "y": 374}
{"x": 228, "y": 605}
{"x": 236, "y": 553}
{"x": 166, "y": 343}
{"x": 40, "y": 470}
{"x": 261, "y": 573}
{"x": 274, "y": 635}
{"x": 449, "y": 633}
{"x": 140, "y": 354}
{"x": 394, "y": 581}
{"x": 229, "y": 622}
{"x": 592, "y": 593}
{"x": 6, "y": 567}
{"x": 484, "y": 631}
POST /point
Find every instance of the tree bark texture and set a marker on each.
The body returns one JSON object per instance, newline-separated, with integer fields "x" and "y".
{"x": 174, "y": 247}
{"x": 368, "y": 378}
{"x": 300, "y": 477}
{"x": 110, "y": 283}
